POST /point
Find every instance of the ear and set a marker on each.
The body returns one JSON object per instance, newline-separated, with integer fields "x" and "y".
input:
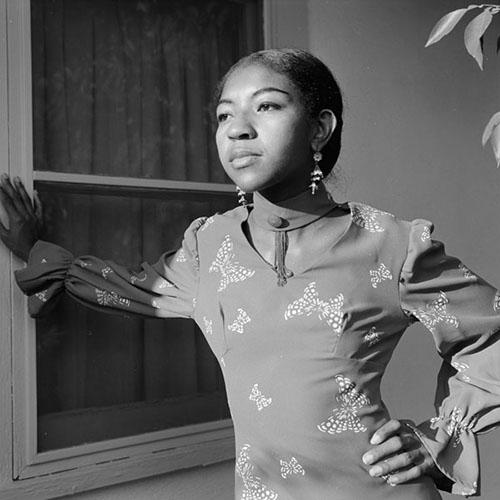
{"x": 323, "y": 129}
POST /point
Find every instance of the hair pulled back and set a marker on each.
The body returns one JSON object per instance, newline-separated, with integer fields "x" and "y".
{"x": 315, "y": 82}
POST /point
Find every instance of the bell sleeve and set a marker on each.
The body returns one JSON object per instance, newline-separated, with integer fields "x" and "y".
{"x": 461, "y": 311}
{"x": 165, "y": 289}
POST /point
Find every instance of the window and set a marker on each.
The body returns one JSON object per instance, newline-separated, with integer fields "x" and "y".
{"x": 123, "y": 89}
{"x": 123, "y": 159}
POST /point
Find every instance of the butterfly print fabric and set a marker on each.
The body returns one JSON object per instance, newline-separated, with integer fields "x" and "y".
{"x": 466, "y": 271}
{"x": 291, "y": 468}
{"x": 496, "y": 302}
{"x": 303, "y": 412}
{"x": 106, "y": 298}
{"x": 106, "y": 271}
{"x": 208, "y": 325}
{"x": 42, "y": 296}
{"x": 329, "y": 310}
{"x": 257, "y": 396}
{"x": 253, "y": 489}
{"x": 345, "y": 416}
{"x": 225, "y": 263}
{"x": 426, "y": 234}
{"x": 138, "y": 279}
{"x": 379, "y": 275}
{"x": 372, "y": 337}
{"x": 210, "y": 220}
{"x": 237, "y": 326}
{"x": 454, "y": 425}
{"x": 181, "y": 256}
{"x": 435, "y": 312}
{"x": 368, "y": 218}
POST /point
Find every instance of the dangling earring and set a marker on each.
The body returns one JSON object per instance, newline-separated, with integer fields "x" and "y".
{"x": 241, "y": 196}
{"x": 316, "y": 174}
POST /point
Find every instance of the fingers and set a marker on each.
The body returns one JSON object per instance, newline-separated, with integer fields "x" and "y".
{"x": 399, "y": 455}
{"x": 423, "y": 464}
{"x": 11, "y": 193}
{"x": 397, "y": 462}
{"x": 406, "y": 475}
{"x": 7, "y": 203}
{"x": 17, "y": 201}
{"x": 38, "y": 206}
{"x": 387, "y": 430}
{"x": 4, "y": 231}
{"x": 26, "y": 200}
{"x": 395, "y": 444}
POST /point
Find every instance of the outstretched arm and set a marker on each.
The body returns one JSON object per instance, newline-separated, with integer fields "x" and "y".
{"x": 165, "y": 289}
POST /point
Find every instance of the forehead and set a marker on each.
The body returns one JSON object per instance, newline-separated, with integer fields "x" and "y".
{"x": 245, "y": 81}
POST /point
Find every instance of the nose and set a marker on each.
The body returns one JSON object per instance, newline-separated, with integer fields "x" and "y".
{"x": 241, "y": 128}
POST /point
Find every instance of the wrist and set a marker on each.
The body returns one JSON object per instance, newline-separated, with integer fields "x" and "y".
{"x": 24, "y": 251}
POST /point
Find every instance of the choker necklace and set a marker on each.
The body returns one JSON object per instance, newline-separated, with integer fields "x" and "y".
{"x": 287, "y": 215}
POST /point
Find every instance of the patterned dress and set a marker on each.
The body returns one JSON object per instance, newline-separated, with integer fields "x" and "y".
{"x": 303, "y": 362}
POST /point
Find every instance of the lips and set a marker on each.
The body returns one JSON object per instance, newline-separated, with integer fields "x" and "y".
{"x": 239, "y": 154}
{"x": 242, "y": 158}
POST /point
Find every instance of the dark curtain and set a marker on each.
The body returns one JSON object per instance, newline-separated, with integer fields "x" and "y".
{"x": 124, "y": 88}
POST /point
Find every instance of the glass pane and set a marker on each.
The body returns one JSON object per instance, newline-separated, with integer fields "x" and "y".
{"x": 125, "y": 87}
{"x": 102, "y": 376}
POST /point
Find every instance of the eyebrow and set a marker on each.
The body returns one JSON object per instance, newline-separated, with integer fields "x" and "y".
{"x": 257, "y": 93}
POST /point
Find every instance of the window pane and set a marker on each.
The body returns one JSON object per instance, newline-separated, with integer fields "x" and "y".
{"x": 125, "y": 87}
{"x": 102, "y": 376}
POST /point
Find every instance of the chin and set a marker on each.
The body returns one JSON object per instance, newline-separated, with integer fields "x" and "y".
{"x": 252, "y": 187}
{"x": 251, "y": 183}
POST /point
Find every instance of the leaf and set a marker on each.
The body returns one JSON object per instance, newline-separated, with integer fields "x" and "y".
{"x": 473, "y": 33}
{"x": 492, "y": 133}
{"x": 445, "y": 25}
{"x": 493, "y": 122}
{"x": 495, "y": 144}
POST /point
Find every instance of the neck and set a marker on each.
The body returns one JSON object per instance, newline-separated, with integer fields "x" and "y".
{"x": 286, "y": 217}
{"x": 279, "y": 193}
{"x": 294, "y": 212}
{"x": 281, "y": 196}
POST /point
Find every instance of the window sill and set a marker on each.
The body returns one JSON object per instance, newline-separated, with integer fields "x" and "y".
{"x": 118, "y": 469}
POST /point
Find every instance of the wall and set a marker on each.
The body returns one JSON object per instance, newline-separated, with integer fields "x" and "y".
{"x": 414, "y": 120}
{"x": 412, "y": 146}
{"x": 215, "y": 482}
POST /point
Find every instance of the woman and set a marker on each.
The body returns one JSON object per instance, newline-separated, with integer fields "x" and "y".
{"x": 303, "y": 301}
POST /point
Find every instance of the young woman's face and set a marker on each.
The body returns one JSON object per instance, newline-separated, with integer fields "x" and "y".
{"x": 264, "y": 133}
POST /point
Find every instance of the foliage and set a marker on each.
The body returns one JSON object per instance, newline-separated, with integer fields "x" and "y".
{"x": 473, "y": 38}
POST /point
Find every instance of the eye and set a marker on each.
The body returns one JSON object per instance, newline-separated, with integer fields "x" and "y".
{"x": 268, "y": 106}
{"x": 222, "y": 117}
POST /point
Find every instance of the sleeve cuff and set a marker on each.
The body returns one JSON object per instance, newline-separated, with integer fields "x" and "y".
{"x": 453, "y": 448}
{"x": 43, "y": 277}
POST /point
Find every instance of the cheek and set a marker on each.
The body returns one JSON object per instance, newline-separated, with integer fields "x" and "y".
{"x": 293, "y": 145}
{"x": 219, "y": 142}
{"x": 221, "y": 151}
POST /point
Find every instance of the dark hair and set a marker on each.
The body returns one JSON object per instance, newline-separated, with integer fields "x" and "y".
{"x": 314, "y": 81}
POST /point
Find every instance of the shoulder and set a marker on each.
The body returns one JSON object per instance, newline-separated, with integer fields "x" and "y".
{"x": 224, "y": 220}
{"x": 218, "y": 218}
{"x": 208, "y": 230}
{"x": 371, "y": 219}
{"x": 388, "y": 229}
{"x": 376, "y": 220}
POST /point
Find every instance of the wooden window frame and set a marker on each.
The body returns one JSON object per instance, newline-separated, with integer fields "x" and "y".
{"x": 24, "y": 472}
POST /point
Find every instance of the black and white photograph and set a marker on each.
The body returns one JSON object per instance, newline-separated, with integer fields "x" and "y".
{"x": 251, "y": 250}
